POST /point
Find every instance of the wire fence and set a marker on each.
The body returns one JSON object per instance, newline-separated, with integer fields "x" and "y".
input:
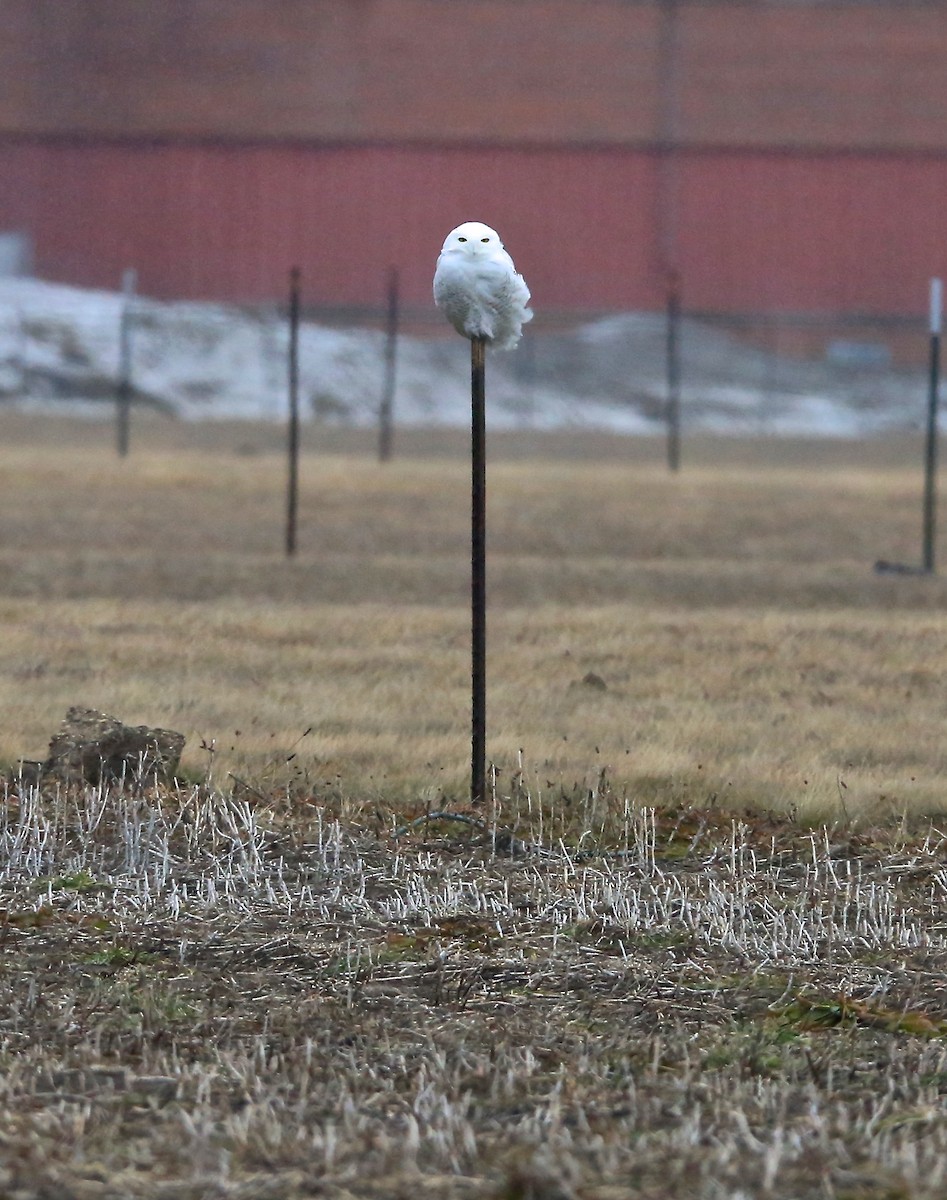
{"x": 64, "y": 349}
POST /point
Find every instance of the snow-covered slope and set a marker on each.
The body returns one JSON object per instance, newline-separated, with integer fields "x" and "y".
{"x": 60, "y": 345}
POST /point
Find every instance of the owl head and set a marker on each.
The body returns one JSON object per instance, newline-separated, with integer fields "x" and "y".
{"x": 473, "y": 238}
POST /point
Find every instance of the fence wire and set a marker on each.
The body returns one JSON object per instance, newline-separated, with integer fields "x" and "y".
{"x": 61, "y": 349}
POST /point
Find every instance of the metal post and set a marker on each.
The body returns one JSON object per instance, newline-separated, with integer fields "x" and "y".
{"x": 673, "y": 372}
{"x": 478, "y": 573}
{"x": 292, "y": 491}
{"x": 930, "y": 454}
{"x": 668, "y": 118}
{"x": 386, "y": 409}
{"x": 123, "y": 391}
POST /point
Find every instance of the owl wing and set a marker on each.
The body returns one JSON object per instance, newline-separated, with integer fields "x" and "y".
{"x": 512, "y": 309}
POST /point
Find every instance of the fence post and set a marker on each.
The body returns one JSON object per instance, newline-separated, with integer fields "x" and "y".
{"x": 673, "y": 364}
{"x": 386, "y": 408}
{"x": 478, "y": 573}
{"x": 930, "y": 450}
{"x": 292, "y": 488}
{"x": 123, "y": 391}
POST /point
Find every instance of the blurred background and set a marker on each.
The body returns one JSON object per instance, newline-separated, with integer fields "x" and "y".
{"x": 774, "y": 168}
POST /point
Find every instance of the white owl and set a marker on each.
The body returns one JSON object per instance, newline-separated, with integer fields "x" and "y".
{"x": 477, "y": 287}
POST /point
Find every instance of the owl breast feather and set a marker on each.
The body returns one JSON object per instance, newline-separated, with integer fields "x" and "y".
{"x": 482, "y": 299}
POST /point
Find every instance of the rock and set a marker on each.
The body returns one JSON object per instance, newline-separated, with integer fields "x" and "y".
{"x": 92, "y": 747}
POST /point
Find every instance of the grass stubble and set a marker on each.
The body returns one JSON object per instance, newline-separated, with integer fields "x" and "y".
{"x": 696, "y": 946}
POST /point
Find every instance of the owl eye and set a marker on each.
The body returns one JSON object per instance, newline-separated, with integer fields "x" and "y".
{"x": 460, "y": 239}
{"x": 484, "y": 239}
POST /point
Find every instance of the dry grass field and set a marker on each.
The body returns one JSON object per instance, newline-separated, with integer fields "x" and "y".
{"x": 734, "y": 639}
{"x": 694, "y": 947}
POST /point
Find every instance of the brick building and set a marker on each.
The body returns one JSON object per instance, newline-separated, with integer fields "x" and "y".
{"x": 783, "y": 155}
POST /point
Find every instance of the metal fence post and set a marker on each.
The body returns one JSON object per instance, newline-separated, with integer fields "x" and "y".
{"x": 292, "y": 488}
{"x": 673, "y": 362}
{"x": 123, "y": 391}
{"x": 386, "y": 408}
{"x": 478, "y": 573}
{"x": 930, "y": 449}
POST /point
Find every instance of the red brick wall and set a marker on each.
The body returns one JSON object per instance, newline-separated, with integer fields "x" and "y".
{"x": 213, "y": 143}
{"x": 754, "y": 232}
{"x": 750, "y": 72}
{"x": 861, "y": 75}
{"x": 332, "y": 70}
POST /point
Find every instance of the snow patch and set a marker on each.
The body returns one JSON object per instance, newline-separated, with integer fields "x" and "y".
{"x": 60, "y": 346}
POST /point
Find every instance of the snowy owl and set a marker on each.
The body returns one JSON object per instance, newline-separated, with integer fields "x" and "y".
{"x": 477, "y": 287}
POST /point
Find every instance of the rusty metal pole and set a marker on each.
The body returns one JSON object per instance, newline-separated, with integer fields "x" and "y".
{"x": 386, "y": 408}
{"x": 292, "y": 489}
{"x": 478, "y": 573}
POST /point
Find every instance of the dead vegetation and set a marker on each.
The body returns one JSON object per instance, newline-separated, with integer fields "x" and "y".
{"x": 694, "y": 947}
{"x": 203, "y": 997}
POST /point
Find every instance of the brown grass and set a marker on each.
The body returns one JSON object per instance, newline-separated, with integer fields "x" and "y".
{"x": 748, "y": 651}
{"x": 625, "y": 979}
